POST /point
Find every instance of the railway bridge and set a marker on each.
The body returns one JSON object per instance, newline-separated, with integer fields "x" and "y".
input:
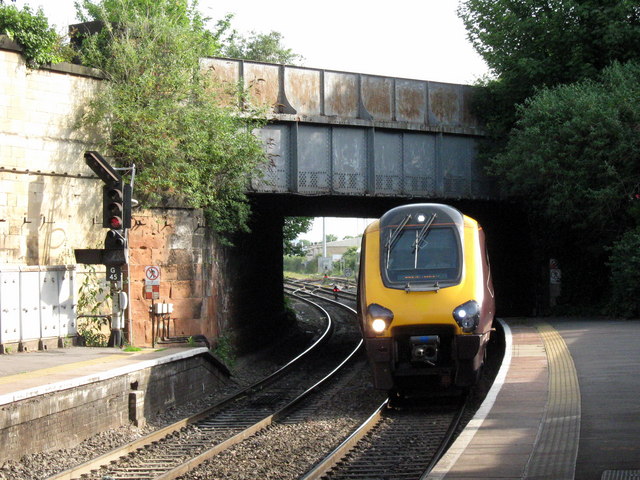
{"x": 354, "y": 145}
{"x": 340, "y": 133}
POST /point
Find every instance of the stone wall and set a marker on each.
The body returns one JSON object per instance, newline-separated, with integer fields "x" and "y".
{"x": 191, "y": 273}
{"x": 64, "y": 418}
{"x": 48, "y": 197}
{"x": 51, "y": 203}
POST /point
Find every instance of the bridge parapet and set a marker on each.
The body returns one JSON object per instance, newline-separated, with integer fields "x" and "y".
{"x": 323, "y": 96}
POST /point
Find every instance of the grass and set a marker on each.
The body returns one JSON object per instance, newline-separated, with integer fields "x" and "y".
{"x": 131, "y": 348}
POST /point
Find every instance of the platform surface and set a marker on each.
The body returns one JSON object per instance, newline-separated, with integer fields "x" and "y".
{"x": 27, "y": 374}
{"x": 565, "y": 405}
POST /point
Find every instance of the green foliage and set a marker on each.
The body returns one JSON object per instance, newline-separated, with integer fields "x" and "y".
{"x": 293, "y": 263}
{"x": 40, "y": 43}
{"x": 93, "y": 297}
{"x": 574, "y": 158}
{"x": 575, "y": 152}
{"x": 530, "y": 44}
{"x": 165, "y": 114}
{"x": 350, "y": 258}
{"x": 565, "y": 78}
{"x": 294, "y": 226}
{"x": 224, "y": 348}
{"x": 260, "y": 46}
{"x": 625, "y": 265}
{"x": 551, "y": 42}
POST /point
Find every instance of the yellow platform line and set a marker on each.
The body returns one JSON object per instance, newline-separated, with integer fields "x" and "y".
{"x": 556, "y": 447}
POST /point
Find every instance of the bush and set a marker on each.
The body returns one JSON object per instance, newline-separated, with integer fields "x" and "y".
{"x": 294, "y": 263}
{"x": 40, "y": 43}
{"x": 624, "y": 262}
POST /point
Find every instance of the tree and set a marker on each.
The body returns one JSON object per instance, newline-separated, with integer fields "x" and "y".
{"x": 544, "y": 43}
{"x": 40, "y": 43}
{"x": 259, "y": 46}
{"x": 625, "y": 265}
{"x": 162, "y": 110}
{"x": 294, "y": 226}
{"x": 350, "y": 258}
{"x": 531, "y": 44}
{"x": 574, "y": 155}
{"x": 330, "y": 237}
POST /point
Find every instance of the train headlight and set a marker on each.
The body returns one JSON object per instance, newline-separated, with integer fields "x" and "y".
{"x": 467, "y": 316}
{"x": 378, "y": 325}
{"x": 379, "y": 317}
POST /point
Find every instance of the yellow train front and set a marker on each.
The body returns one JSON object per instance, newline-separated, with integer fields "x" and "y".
{"x": 425, "y": 298}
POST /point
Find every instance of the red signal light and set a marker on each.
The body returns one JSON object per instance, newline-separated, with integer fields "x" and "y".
{"x": 115, "y": 223}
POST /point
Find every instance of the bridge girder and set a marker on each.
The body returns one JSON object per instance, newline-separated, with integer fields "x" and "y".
{"x": 342, "y": 133}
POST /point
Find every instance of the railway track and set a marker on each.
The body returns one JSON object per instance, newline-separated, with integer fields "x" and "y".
{"x": 266, "y": 432}
{"x": 181, "y": 447}
{"x": 392, "y": 444}
{"x": 346, "y": 292}
{"x": 403, "y": 442}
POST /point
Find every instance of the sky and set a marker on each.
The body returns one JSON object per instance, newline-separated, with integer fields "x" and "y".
{"x": 416, "y": 39}
{"x": 340, "y": 227}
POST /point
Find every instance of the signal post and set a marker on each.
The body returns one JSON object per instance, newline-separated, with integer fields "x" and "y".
{"x": 116, "y": 216}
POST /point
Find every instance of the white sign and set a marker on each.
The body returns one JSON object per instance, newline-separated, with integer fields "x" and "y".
{"x": 152, "y": 275}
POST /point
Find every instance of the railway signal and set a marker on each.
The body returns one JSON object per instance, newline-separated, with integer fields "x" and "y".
{"x": 116, "y": 206}
{"x": 116, "y": 216}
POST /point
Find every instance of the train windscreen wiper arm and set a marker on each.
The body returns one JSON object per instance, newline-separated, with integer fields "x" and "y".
{"x": 396, "y": 233}
{"x": 423, "y": 233}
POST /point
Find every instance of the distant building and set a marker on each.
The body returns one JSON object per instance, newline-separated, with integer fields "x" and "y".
{"x": 334, "y": 249}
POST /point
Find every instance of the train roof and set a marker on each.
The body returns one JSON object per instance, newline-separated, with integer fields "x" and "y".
{"x": 443, "y": 214}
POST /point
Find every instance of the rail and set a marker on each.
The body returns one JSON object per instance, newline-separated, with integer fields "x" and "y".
{"x": 205, "y": 423}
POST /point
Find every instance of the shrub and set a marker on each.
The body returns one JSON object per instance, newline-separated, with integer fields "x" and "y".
{"x": 41, "y": 44}
{"x": 624, "y": 262}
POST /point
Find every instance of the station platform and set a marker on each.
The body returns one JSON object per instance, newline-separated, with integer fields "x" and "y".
{"x": 30, "y": 374}
{"x": 564, "y": 405}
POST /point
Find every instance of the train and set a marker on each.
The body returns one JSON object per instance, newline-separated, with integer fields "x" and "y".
{"x": 425, "y": 298}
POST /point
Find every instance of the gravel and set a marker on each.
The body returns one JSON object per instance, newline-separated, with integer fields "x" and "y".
{"x": 286, "y": 451}
{"x": 246, "y": 371}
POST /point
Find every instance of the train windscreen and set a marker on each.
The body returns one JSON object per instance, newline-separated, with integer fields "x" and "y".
{"x": 424, "y": 257}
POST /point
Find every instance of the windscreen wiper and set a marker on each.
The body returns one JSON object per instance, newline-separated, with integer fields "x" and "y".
{"x": 393, "y": 238}
{"x": 423, "y": 233}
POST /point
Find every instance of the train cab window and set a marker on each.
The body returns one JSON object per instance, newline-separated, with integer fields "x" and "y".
{"x": 430, "y": 259}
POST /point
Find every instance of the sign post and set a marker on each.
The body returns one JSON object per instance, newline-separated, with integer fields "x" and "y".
{"x": 152, "y": 282}
{"x": 555, "y": 281}
{"x": 152, "y": 292}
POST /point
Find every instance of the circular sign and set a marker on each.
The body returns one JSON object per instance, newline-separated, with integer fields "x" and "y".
{"x": 152, "y": 275}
